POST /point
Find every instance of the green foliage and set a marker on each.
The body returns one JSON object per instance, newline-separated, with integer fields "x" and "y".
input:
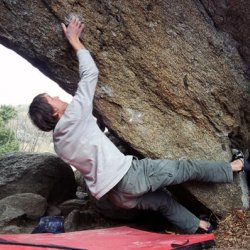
{"x": 7, "y": 112}
{"x": 8, "y": 141}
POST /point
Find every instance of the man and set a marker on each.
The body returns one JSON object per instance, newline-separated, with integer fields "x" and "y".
{"x": 125, "y": 180}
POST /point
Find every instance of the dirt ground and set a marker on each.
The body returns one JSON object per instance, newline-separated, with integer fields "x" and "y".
{"x": 233, "y": 231}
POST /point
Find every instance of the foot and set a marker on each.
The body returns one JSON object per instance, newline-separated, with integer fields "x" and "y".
{"x": 239, "y": 156}
{"x": 237, "y": 165}
{"x": 206, "y": 226}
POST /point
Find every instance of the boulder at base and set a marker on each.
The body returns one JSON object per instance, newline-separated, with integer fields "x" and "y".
{"x": 43, "y": 174}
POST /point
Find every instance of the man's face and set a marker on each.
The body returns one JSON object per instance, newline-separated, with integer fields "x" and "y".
{"x": 58, "y": 105}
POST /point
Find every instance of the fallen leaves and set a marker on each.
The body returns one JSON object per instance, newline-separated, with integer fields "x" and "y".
{"x": 233, "y": 231}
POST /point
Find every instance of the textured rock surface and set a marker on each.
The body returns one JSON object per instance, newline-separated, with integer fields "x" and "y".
{"x": 10, "y": 214}
{"x": 171, "y": 85}
{"x": 233, "y": 18}
{"x": 33, "y": 205}
{"x": 42, "y": 174}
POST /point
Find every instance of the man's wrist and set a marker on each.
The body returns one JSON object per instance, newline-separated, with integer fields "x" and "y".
{"x": 76, "y": 44}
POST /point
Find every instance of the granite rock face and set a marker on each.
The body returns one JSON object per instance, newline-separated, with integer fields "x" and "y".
{"x": 172, "y": 84}
{"x": 232, "y": 17}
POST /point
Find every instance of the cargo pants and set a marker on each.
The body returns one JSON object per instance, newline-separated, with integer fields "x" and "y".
{"x": 142, "y": 185}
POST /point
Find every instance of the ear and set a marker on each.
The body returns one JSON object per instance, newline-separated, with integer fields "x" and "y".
{"x": 56, "y": 113}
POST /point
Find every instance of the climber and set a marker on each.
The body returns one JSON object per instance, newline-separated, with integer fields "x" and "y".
{"x": 125, "y": 180}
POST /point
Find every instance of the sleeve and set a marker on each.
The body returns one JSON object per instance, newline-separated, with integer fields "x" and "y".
{"x": 81, "y": 106}
{"x": 88, "y": 74}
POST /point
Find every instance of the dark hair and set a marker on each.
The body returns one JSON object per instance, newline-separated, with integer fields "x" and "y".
{"x": 41, "y": 113}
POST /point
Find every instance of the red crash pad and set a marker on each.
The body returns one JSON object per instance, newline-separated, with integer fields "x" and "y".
{"x": 116, "y": 238}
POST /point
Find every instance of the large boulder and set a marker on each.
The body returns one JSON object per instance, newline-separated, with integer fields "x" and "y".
{"x": 19, "y": 212}
{"x": 43, "y": 174}
{"x": 172, "y": 85}
{"x": 8, "y": 214}
{"x": 33, "y": 205}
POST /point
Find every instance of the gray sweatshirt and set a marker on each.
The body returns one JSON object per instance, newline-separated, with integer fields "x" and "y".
{"x": 79, "y": 141}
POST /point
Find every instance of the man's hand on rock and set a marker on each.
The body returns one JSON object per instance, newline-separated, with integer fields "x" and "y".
{"x": 73, "y": 32}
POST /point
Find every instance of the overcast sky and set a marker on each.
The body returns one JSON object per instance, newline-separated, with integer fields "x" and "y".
{"x": 20, "y": 81}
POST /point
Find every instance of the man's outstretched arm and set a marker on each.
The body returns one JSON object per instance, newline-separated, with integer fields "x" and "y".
{"x": 87, "y": 67}
{"x": 73, "y": 32}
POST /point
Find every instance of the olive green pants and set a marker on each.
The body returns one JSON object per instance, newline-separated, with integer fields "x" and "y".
{"x": 142, "y": 186}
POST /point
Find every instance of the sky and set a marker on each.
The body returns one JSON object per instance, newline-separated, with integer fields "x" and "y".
{"x": 21, "y": 82}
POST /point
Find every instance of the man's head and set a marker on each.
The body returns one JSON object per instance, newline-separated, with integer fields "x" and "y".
{"x": 45, "y": 111}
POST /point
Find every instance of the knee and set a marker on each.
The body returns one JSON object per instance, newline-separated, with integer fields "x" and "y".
{"x": 156, "y": 201}
{"x": 122, "y": 201}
